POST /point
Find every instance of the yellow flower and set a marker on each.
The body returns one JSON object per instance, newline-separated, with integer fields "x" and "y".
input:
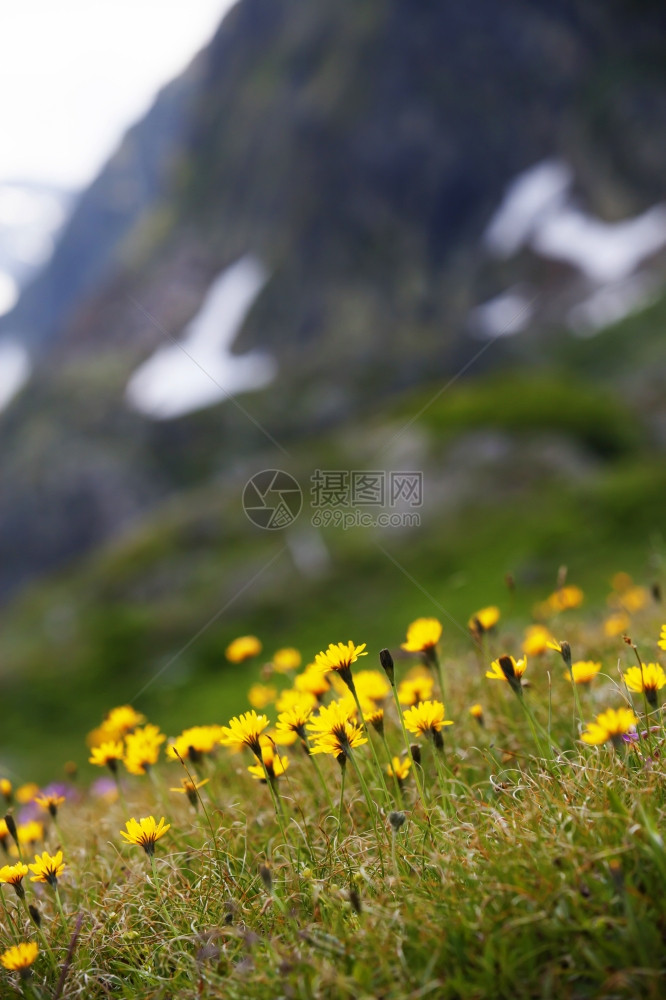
{"x": 650, "y": 680}
{"x": 565, "y": 598}
{"x": 286, "y": 659}
{"x": 145, "y": 832}
{"x": 50, "y": 802}
{"x": 117, "y": 723}
{"x": 26, "y": 793}
{"x": 484, "y": 619}
{"x": 339, "y": 657}
{"x": 371, "y": 685}
{"x": 415, "y": 689}
{"x": 632, "y": 599}
{"x": 335, "y": 731}
{"x": 29, "y": 833}
{"x": 195, "y": 743}
{"x": 583, "y": 671}
{"x": 476, "y": 711}
{"x": 190, "y": 788}
{"x": 610, "y": 725}
{"x": 312, "y": 681}
{"x": 4, "y": 832}
{"x": 294, "y": 718}
{"x": 291, "y": 698}
{"x": 616, "y": 624}
{"x": 423, "y": 635}
{"x": 14, "y": 875}
{"x": 427, "y": 719}
{"x": 107, "y": 754}
{"x": 6, "y": 789}
{"x": 506, "y": 668}
{"x": 275, "y": 765}
{"x": 261, "y": 695}
{"x": 399, "y": 768}
{"x": 142, "y": 749}
{"x": 536, "y": 640}
{"x": 47, "y": 868}
{"x": 662, "y": 638}
{"x": 244, "y": 731}
{"x": 20, "y": 957}
{"x": 243, "y": 648}
{"x": 373, "y": 716}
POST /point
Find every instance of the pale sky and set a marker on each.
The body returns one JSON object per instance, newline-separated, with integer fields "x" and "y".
{"x": 74, "y": 74}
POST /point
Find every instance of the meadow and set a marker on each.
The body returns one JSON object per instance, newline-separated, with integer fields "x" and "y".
{"x": 396, "y": 823}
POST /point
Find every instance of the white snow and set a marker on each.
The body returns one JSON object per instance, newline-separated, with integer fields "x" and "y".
{"x": 502, "y": 316}
{"x": 538, "y": 211}
{"x": 14, "y": 370}
{"x": 8, "y": 292}
{"x": 611, "y": 304}
{"x": 529, "y": 198}
{"x": 201, "y": 370}
{"x": 602, "y": 251}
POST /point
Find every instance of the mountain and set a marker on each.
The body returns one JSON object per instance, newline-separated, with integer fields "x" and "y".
{"x": 359, "y": 153}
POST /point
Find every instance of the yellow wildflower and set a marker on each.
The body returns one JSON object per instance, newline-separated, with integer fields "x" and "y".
{"x": 50, "y": 803}
{"x": 312, "y": 681}
{"x": 286, "y": 659}
{"x": 506, "y": 668}
{"x": 334, "y": 730}
{"x": 295, "y": 718}
{"x": 536, "y": 640}
{"x": 107, "y": 754}
{"x": 610, "y": 725}
{"x": 423, "y": 635}
{"x": 416, "y": 688}
{"x": 427, "y": 719}
{"x": 565, "y": 598}
{"x": 6, "y": 790}
{"x": 145, "y": 832}
{"x": 26, "y": 793}
{"x": 20, "y": 957}
{"x": 243, "y": 648}
{"x": 31, "y": 832}
{"x": 14, "y": 875}
{"x": 616, "y": 624}
{"x": 261, "y": 695}
{"x": 142, "y": 749}
{"x": 399, "y": 768}
{"x": 190, "y": 788}
{"x": 339, "y": 657}
{"x": 476, "y": 711}
{"x": 275, "y": 765}
{"x": 650, "y": 679}
{"x": 371, "y": 685}
{"x": 244, "y": 731}
{"x": 195, "y": 743}
{"x": 483, "y": 620}
{"x": 583, "y": 671}
{"x": 662, "y": 638}
{"x": 47, "y": 868}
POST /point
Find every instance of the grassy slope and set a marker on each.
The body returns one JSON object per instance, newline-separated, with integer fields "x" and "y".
{"x": 526, "y": 877}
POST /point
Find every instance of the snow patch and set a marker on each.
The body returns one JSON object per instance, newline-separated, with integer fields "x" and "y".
{"x": 502, "y": 316}
{"x": 14, "y": 370}
{"x": 201, "y": 371}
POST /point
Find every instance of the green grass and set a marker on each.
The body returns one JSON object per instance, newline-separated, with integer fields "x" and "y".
{"x": 535, "y": 867}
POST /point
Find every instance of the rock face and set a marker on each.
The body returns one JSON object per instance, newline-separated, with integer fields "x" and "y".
{"x": 359, "y": 150}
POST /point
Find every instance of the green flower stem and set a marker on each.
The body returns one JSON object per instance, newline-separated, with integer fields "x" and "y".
{"x": 370, "y": 804}
{"x": 398, "y": 790}
{"x": 315, "y": 763}
{"x": 387, "y": 798}
{"x": 342, "y": 798}
{"x": 417, "y": 776}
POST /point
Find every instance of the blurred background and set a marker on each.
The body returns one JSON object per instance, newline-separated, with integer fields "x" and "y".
{"x": 336, "y": 235}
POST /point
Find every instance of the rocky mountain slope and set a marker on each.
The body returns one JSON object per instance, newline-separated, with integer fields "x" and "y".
{"x": 359, "y": 152}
